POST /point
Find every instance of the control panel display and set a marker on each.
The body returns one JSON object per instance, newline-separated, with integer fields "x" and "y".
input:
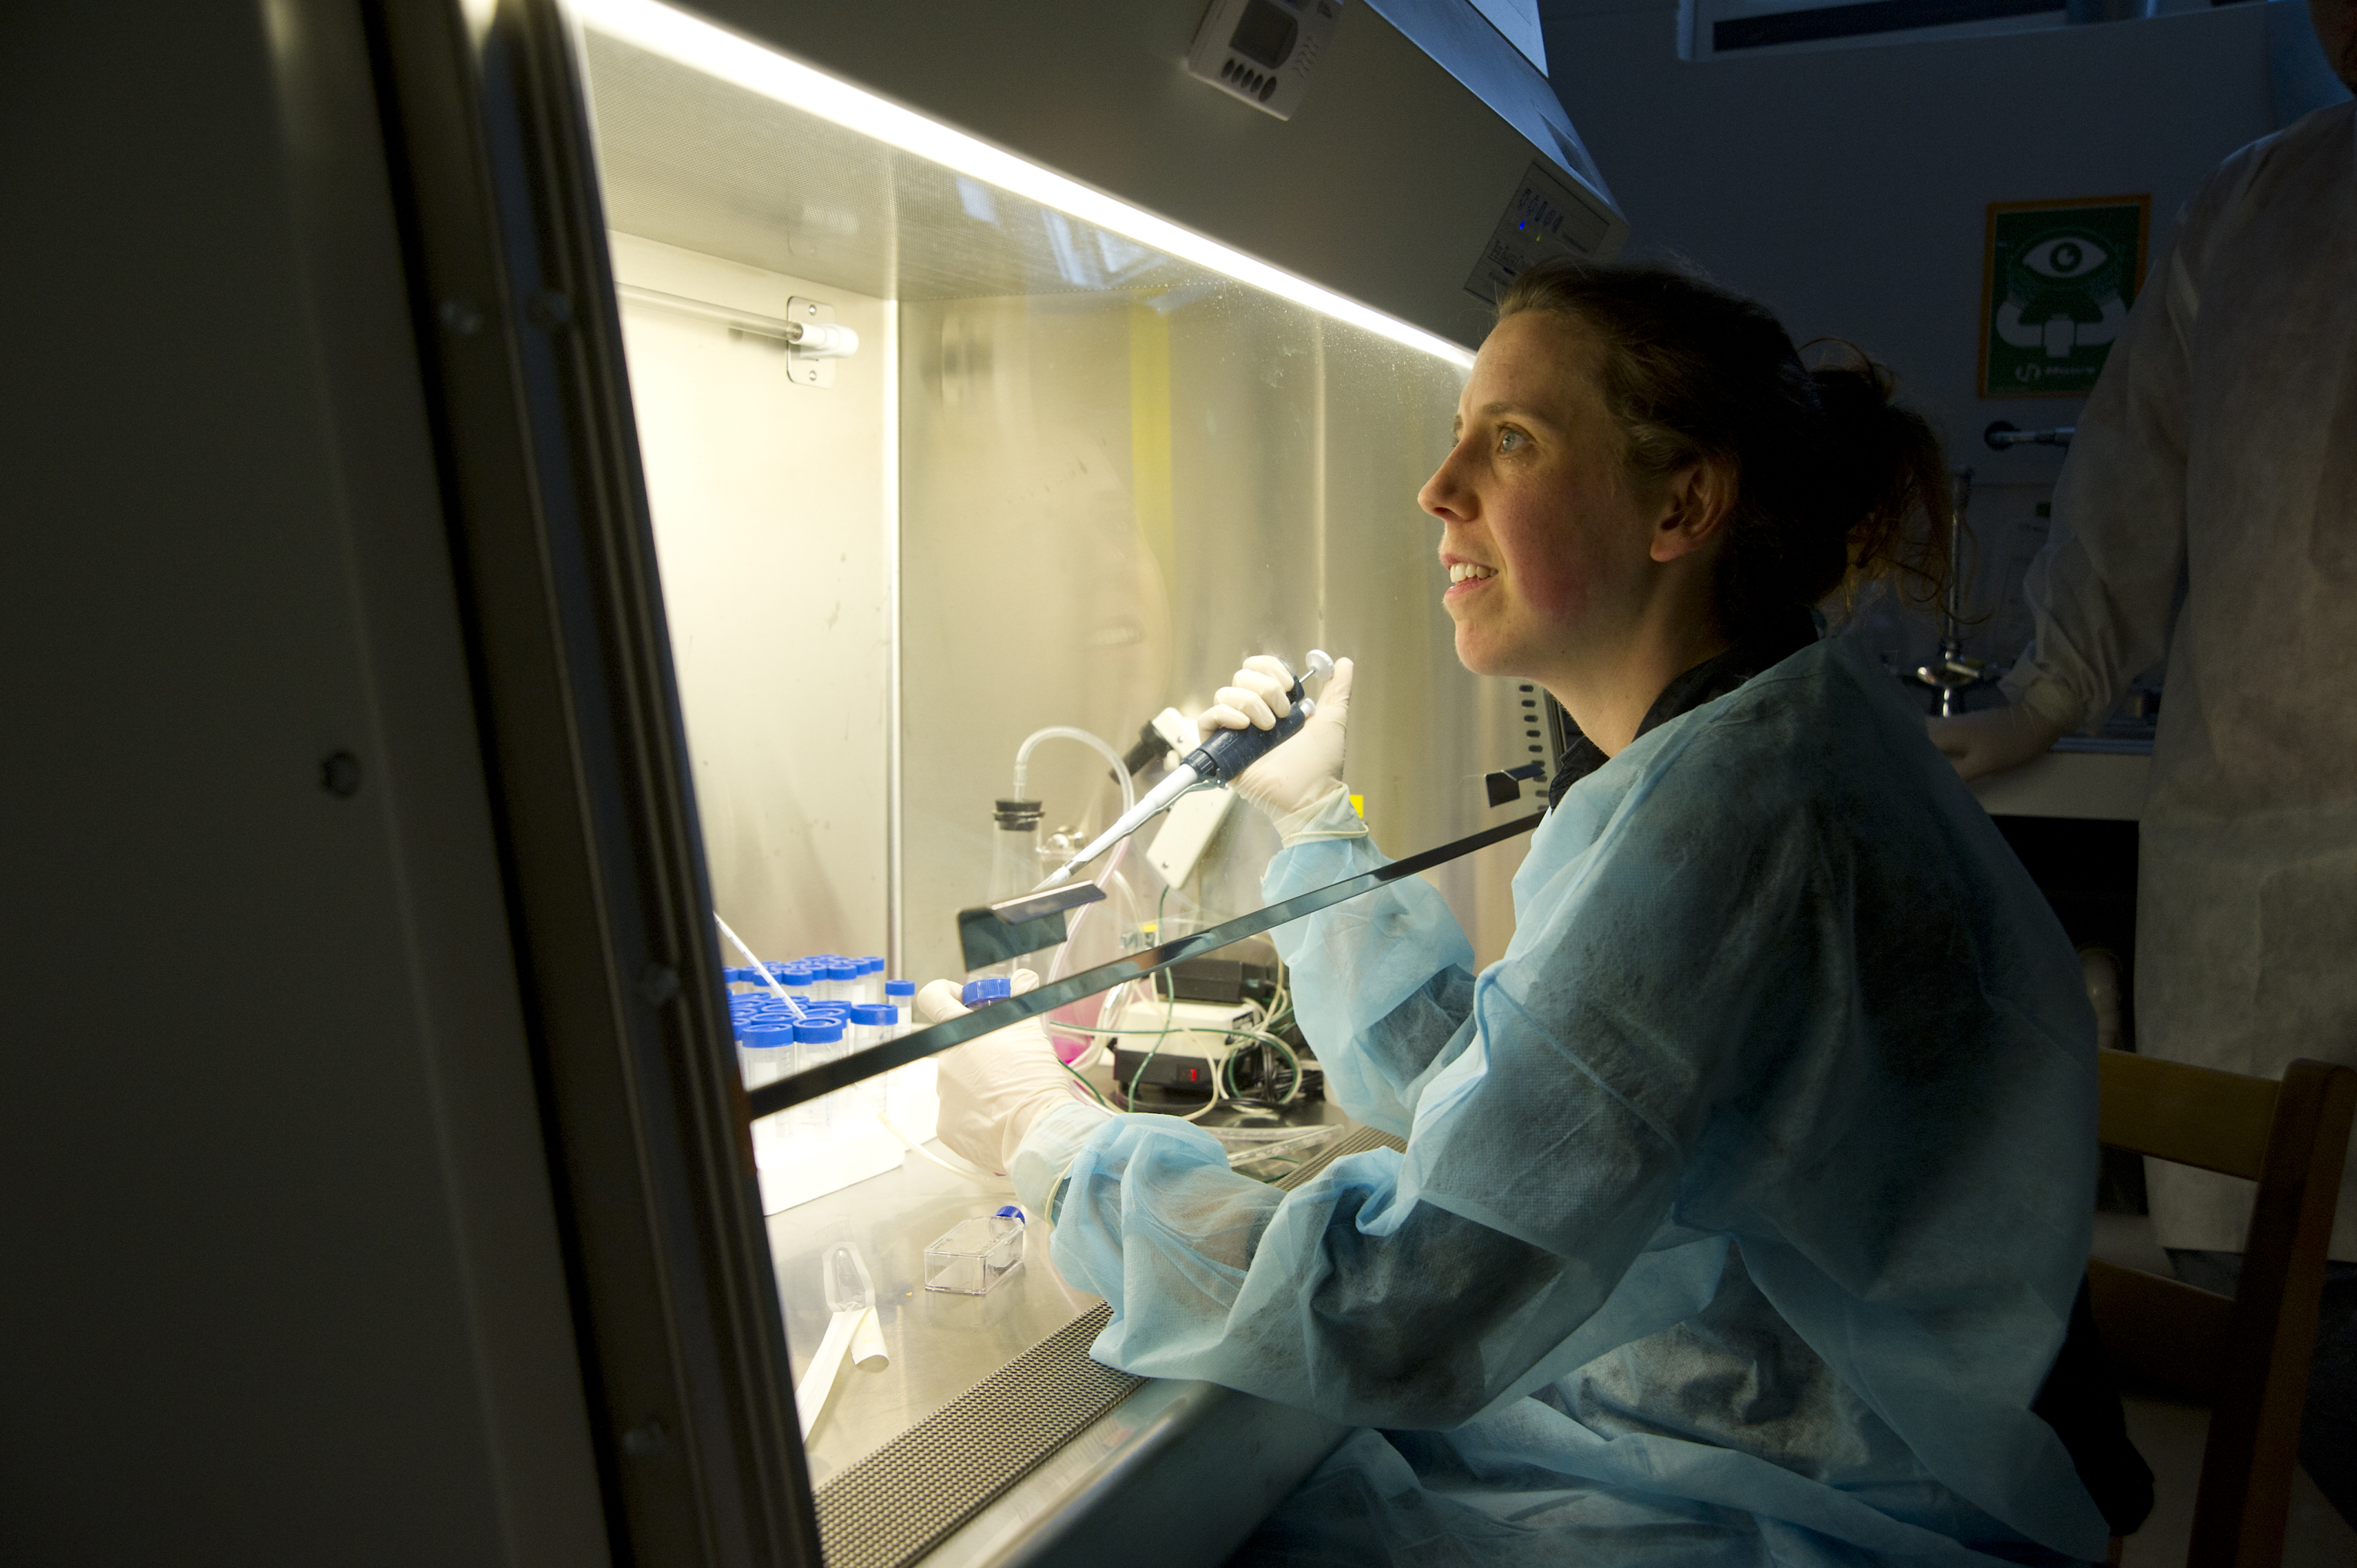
{"x": 1547, "y": 214}
{"x": 1263, "y": 51}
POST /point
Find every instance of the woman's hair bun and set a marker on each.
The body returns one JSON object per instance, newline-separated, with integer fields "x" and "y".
{"x": 1890, "y": 459}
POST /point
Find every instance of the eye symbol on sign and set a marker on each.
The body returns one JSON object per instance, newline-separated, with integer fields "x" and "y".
{"x": 2051, "y": 291}
{"x": 2063, "y": 258}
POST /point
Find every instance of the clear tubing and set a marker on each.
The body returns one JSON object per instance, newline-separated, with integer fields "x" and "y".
{"x": 1065, "y": 732}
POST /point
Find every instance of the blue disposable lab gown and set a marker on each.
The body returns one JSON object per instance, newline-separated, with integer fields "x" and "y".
{"x": 1744, "y": 1200}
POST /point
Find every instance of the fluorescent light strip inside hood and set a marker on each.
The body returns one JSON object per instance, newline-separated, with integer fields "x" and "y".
{"x": 698, "y": 45}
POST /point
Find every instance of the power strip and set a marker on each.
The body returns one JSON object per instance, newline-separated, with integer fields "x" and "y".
{"x": 1186, "y": 1057}
{"x": 1196, "y": 1028}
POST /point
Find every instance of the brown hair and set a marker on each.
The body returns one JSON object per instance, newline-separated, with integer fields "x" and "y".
{"x": 1836, "y": 485}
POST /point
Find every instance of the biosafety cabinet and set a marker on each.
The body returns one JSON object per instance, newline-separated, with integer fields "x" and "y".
{"x": 865, "y": 434}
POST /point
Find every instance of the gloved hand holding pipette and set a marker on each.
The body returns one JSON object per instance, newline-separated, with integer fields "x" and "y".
{"x": 1299, "y": 784}
{"x": 1229, "y": 749}
{"x": 995, "y": 1087}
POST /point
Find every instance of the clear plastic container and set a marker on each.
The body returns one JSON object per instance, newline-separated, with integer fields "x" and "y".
{"x": 1014, "y": 860}
{"x": 870, "y": 984}
{"x": 901, "y": 996}
{"x": 765, "y": 1051}
{"x": 1266, "y": 1154}
{"x": 975, "y": 1255}
{"x": 871, "y": 1024}
{"x": 841, "y": 978}
{"x": 818, "y": 1041}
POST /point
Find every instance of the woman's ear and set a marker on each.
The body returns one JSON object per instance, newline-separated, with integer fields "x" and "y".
{"x": 1695, "y": 504}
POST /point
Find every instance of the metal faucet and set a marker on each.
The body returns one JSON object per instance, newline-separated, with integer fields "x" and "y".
{"x": 1951, "y": 675}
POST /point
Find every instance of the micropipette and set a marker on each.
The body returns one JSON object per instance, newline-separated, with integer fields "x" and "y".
{"x": 1226, "y": 754}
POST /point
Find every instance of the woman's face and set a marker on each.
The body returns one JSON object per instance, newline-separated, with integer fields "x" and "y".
{"x": 1546, "y": 548}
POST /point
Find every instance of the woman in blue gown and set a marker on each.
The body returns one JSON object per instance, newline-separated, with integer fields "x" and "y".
{"x": 1746, "y": 1198}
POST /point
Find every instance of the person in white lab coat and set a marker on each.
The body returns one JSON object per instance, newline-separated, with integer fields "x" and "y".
{"x": 2207, "y": 512}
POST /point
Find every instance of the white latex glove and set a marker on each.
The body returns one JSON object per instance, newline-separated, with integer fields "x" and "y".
{"x": 995, "y": 1087}
{"x": 1305, "y": 772}
{"x": 1997, "y": 738}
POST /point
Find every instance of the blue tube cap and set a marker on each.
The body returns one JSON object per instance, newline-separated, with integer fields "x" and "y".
{"x": 900, "y": 988}
{"x": 989, "y": 988}
{"x": 818, "y": 1032}
{"x": 875, "y": 1013}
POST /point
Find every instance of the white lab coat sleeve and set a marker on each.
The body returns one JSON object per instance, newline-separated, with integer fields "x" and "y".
{"x": 2104, "y": 591}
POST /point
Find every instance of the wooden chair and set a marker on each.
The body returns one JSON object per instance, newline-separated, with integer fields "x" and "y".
{"x": 2246, "y": 1357}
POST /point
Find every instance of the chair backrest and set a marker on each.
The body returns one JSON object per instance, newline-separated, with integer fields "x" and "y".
{"x": 2246, "y": 1357}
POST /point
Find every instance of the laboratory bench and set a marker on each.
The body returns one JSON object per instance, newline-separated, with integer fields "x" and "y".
{"x": 2086, "y": 780}
{"x": 991, "y": 1437}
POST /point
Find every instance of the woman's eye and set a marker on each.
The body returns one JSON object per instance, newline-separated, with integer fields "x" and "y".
{"x": 1512, "y": 441}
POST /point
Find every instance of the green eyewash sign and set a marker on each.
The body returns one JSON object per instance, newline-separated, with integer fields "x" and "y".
{"x": 2057, "y": 280}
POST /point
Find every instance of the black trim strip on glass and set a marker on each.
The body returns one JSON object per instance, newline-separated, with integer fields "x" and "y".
{"x": 1853, "y": 21}
{"x": 492, "y": 167}
{"x": 844, "y": 1071}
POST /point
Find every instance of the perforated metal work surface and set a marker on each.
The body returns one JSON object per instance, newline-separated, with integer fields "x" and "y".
{"x": 901, "y": 1499}
{"x": 904, "y": 1499}
{"x": 1357, "y": 1141}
